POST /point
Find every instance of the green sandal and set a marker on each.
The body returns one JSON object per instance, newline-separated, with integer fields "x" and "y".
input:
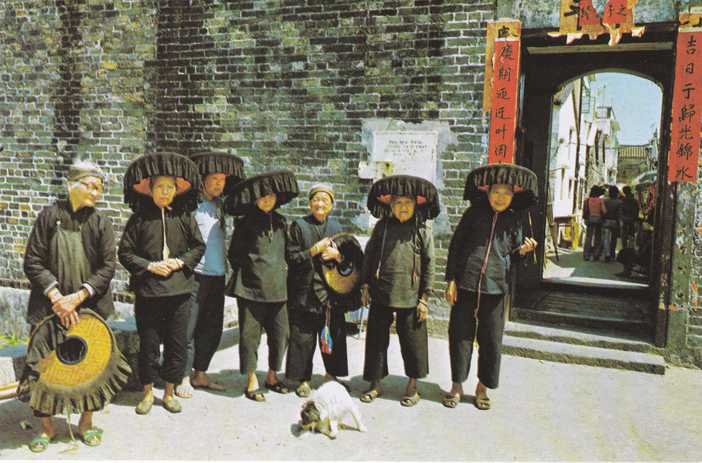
{"x": 451, "y": 401}
{"x": 303, "y": 390}
{"x": 410, "y": 400}
{"x": 92, "y": 437}
{"x": 369, "y": 396}
{"x": 482, "y": 401}
{"x": 40, "y": 443}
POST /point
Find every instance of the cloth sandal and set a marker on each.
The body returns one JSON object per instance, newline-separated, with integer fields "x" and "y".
{"x": 172, "y": 405}
{"x": 410, "y": 400}
{"x": 144, "y": 407}
{"x": 482, "y": 401}
{"x": 92, "y": 437}
{"x": 212, "y": 386}
{"x": 278, "y": 387}
{"x": 451, "y": 401}
{"x": 256, "y": 396}
{"x": 369, "y": 396}
{"x": 303, "y": 390}
{"x": 40, "y": 442}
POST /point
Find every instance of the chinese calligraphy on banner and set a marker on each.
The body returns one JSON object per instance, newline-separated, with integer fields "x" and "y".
{"x": 687, "y": 108}
{"x": 503, "y": 117}
{"x": 500, "y": 29}
{"x": 580, "y": 17}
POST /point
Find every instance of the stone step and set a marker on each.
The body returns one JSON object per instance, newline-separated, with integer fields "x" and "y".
{"x": 582, "y": 337}
{"x": 561, "y": 319}
{"x": 583, "y": 355}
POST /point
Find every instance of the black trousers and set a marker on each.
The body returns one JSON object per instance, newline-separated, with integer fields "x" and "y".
{"x": 254, "y": 317}
{"x": 206, "y": 321}
{"x": 162, "y": 319}
{"x": 414, "y": 343}
{"x": 462, "y": 331}
{"x": 305, "y": 329}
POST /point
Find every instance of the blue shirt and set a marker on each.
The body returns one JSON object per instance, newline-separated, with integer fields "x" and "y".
{"x": 208, "y": 216}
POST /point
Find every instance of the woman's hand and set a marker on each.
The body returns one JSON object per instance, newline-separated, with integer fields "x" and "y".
{"x": 65, "y": 307}
{"x": 174, "y": 264}
{"x": 320, "y": 246}
{"x": 528, "y": 246}
{"x": 451, "y": 293}
{"x": 331, "y": 253}
{"x": 422, "y": 310}
{"x": 159, "y": 268}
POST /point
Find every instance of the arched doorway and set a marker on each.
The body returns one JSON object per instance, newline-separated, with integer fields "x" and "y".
{"x": 547, "y": 67}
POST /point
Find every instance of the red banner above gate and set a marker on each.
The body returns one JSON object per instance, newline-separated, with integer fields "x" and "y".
{"x": 686, "y": 115}
{"x": 503, "y": 116}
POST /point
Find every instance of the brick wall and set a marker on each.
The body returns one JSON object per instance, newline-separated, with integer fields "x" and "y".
{"x": 283, "y": 84}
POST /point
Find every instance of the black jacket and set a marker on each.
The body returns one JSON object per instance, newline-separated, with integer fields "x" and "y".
{"x": 399, "y": 263}
{"x": 98, "y": 243}
{"x": 142, "y": 243}
{"x": 304, "y": 233}
{"x": 257, "y": 257}
{"x": 468, "y": 246}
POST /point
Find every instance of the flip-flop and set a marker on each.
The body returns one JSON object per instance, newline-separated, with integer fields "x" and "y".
{"x": 369, "y": 396}
{"x": 278, "y": 387}
{"x": 92, "y": 437}
{"x": 212, "y": 386}
{"x": 410, "y": 400}
{"x": 40, "y": 442}
{"x": 184, "y": 390}
{"x": 482, "y": 401}
{"x": 256, "y": 396}
{"x": 451, "y": 401}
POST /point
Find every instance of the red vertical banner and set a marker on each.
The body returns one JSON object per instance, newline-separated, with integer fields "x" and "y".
{"x": 503, "y": 116}
{"x": 686, "y": 115}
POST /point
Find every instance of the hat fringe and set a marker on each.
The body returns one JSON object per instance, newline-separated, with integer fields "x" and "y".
{"x": 422, "y": 190}
{"x": 244, "y": 195}
{"x": 521, "y": 178}
{"x": 212, "y": 162}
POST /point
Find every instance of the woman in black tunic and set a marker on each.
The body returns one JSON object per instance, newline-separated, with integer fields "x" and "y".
{"x": 398, "y": 274}
{"x": 483, "y": 246}
{"x": 69, "y": 262}
{"x": 309, "y": 237}
{"x": 259, "y": 273}
{"x": 160, "y": 247}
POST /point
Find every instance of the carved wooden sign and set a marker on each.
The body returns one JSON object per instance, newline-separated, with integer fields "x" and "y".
{"x": 580, "y": 18}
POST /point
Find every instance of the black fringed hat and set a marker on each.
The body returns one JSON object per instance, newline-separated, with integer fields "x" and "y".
{"x": 137, "y": 178}
{"x": 213, "y": 162}
{"x": 421, "y": 190}
{"x": 522, "y": 180}
{"x": 244, "y": 195}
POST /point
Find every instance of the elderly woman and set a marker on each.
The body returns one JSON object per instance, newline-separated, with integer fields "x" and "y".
{"x": 486, "y": 241}
{"x": 70, "y": 261}
{"x": 398, "y": 273}
{"x": 310, "y": 238}
{"x": 160, "y": 247}
{"x": 259, "y": 273}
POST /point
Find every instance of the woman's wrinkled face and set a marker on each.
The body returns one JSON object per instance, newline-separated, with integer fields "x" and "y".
{"x": 85, "y": 192}
{"x": 321, "y": 205}
{"x": 266, "y": 203}
{"x": 214, "y": 185}
{"x": 500, "y": 197}
{"x": 163, "y": 190}
{"x": 402, "y": 208}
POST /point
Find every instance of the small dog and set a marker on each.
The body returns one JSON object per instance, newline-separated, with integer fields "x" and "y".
{"x": 327, "y": 408}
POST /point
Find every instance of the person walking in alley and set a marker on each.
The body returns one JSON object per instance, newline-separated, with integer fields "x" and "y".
{"x": 611, "y": 224}
{"x": 219, "y": 172}
{"x": 483, "y": 248}
{"x": 160, "y": 248}
{"x": 593, "y": 213}
{"x": 629, "y": 217}
{"x": 398, "y": 274}
{"x": 257, "y": 255}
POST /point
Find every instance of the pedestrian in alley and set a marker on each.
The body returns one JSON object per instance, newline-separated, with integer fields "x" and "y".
{"x": 610, "y": 224}
{"x": 593, "y": 213}
{"x": 160, "y": 248}
{"x": 629, "y": 217}
{"x": 219, "y": 173}
{"x": 398, "y": 274}
{"x": 309, "y": 302}
{"x": 257, "y": 255}
{"x": 483, "y": 249}
{"x": 69, "y": 261}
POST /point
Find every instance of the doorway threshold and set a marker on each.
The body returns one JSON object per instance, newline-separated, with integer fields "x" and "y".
{"x": 590, "y": 282}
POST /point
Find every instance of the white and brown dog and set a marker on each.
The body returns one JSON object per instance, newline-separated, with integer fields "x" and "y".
{"x": 327, "y": 408}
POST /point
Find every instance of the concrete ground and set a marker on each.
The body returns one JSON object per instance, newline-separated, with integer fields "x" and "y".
{"x": 542, "y": 411}
{"x": 570, "y": 267}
